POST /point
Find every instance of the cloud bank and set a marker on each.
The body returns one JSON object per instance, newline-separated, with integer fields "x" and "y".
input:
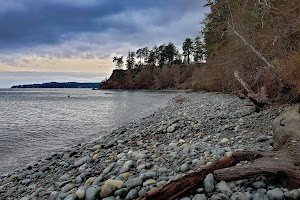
{"x": 91, "y": 29}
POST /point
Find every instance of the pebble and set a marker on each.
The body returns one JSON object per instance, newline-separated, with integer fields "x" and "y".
{"x": 91, "y": 193}
{"x": 149, "y": 182}
{"x": 209, "y": 183}
{"x": 260, "y": 195}
{"x": 171, "y": 129}
{"x": 184, "y": 167}
{"x": 132, "y": 194}
{"x": 107, "y": 190}
{"x": 199, "y": 197}
{"x": 224, "y": 188}
{"x": 275, "y": 194}
{"x": 185, "y": 198}
{"x": 131, "y": 183}
{"x": 80, "y": 193}
{"x": 262, "y": 138}
{"x": 259, "y": 184}
{"x": 224, "y": 141}
{"x": 67, "y": 187}
{"x": 109, "y": 198}
{"x": 238, "y": 196}
{"x": 292, "y": 195}
{"x": 121, "y": 192}
{"x": 83, "y": 160}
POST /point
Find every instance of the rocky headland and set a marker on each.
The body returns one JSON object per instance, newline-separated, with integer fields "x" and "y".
{"x": 193, "y": 131}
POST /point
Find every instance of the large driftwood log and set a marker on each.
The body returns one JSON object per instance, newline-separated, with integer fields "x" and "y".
{"x": 283, "y": 163}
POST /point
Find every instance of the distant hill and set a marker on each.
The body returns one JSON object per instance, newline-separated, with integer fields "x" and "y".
{"x": 59, "y": 85}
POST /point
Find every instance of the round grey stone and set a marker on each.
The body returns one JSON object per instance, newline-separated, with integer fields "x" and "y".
{"x": 209, "y": 183}
{"x": 292, "y": 195}
{"x": 109, "y": 198}
{"x": 68, "y": 187}
{"x": 184, "y": 167}
{"x": 260, "y": 195}
{"x": 162, "y": 170}
{"x": 238, "y": 196}
{"x": 91, "y": 193}
{"x": 171, "y": 129}
{"x": 275, "y": 194}
{"x": 25, "y": 198}
{"x": 258, "y": 184}
{"x": 81, "y": 161}
{"x": 131, "y": 183}
{"x": 64, "y": 177}
{"x": 121, "y": 192}
{"x": 71, "y": 197}
{"x": 215, "y": 197}
{"x": 143, "y": 191}
{"x": 200, "y": 197}
{"x": 224, "y": 188}
{"x": 220, "y": 152}
{"x": 185, "y": 198}
{"x": 132, "y": 194}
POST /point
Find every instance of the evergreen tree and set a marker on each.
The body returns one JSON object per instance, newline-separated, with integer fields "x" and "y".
{"x": 151, "y": 58}
{"x": 171, "y": 52}
{"x": 145, "y": 54}
{"x": 162, "y": 55}
{"x": 187, "y": 48}
{"x": 118, "y": 62}
{"x": 130, "y": 60}
{"x": 198, "y": 50}
{"x": 139, "y": 55}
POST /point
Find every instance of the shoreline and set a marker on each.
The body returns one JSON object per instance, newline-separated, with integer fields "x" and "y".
{"x": 141, "y": 155}
{"x": 63, "y": 121}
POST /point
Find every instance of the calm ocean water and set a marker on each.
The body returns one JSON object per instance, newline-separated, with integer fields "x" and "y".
{"x": 37, "y": 122}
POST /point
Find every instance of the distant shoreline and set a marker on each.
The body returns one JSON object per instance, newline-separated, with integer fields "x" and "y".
{"x": 59, "y": 85}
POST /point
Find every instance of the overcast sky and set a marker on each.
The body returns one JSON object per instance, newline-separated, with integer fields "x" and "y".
{"x": 75, "y": 40}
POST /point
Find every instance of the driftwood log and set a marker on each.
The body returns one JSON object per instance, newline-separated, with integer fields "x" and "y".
{"x": 259, "y": 99}
{"x": 283, "y": 163}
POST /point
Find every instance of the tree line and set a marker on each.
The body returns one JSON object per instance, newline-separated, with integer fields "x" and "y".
{"x": 193, "y": 50}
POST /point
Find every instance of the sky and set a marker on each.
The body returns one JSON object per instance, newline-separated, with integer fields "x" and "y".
{"x": 75, "y": 40}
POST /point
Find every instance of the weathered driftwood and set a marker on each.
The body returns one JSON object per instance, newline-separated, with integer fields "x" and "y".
{"x": 283, "y": 163}
{"x": 259, "y": 99}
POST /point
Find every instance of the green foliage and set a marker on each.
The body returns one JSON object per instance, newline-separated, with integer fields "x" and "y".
{"x": 215, "y": 30}
{"x": 151, "y": 58}
{"x": 198, "y": 50}
{"x": 187, "y": 48}
{"x": 139, "y": 54}
{"x": 130, "y": 60}
{"x": 119, "y": 62}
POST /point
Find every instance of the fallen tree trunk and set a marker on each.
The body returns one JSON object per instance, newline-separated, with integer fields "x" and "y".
{"x": 283, "y": 163}
{"x": 259, "y": 99}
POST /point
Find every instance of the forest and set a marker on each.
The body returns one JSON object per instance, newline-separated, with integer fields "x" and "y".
{"x": 254, "y": 41}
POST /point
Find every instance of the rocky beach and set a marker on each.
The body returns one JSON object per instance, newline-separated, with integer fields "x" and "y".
{"x": 193, "y": 131}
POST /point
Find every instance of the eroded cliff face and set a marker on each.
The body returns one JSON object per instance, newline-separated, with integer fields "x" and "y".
{"x": 115, "y": 81}
{"x": 147, "y": 77}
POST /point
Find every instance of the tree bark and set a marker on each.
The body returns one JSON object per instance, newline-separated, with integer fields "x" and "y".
{"x": 282, "y": 164}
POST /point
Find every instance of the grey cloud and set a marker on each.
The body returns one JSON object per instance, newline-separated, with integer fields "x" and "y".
{"x": 31, "y": 23}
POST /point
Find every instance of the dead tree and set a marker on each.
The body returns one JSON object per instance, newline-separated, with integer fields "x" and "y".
{"x": 259, "y": 99}
{"x": 283, "y": 163}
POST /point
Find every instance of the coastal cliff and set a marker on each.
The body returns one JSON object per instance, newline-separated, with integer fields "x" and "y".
{"x": 155, "y": 78}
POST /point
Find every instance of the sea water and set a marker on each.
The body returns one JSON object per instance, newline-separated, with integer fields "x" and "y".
{"x": 37, "y": 122}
